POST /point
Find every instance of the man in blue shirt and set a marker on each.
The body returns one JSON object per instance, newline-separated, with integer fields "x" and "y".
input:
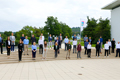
{"x": 85, "y": 38}
{"x": 74, "y": 37}
{"x": 86, "y": 43}
{"x": 50, "y": 41}
{"x": 22, "y": 38}
{"x": 90, "y": 40}
{"x": 1, "y": 44}
{"x": 26, "y": 42}
{"x": 101, "y": 40}
{"x": 66, "y": 40}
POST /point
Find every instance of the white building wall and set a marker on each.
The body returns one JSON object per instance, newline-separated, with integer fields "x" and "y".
{"x": 115, "y": 24}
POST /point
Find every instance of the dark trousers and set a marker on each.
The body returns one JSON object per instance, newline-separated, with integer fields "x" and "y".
{"x": 33, "y": 54}
{"x": 20, "y": 55}
{"x": 1, "y": 48}
{"x": 106, "y": 51}
{"x": 117, "y": 51}
{"x": 84, "y": 44}
{"x": 12, "y": 47}
{"x": 8, "y": 51}
{"x": 85, "y": 50}
{"x": 74, "y": 48}
{"x": 40, "y": 48}
{"x": 78, "y": 54}
{"x": 65, "y": 46}
{"x": 112, "y": 49}
{"x": 89, "y": 52}
{"x": 97, "y": 52}
{"x": 23, "y": 47}
{"x": 109, "y": 49}
{"x": 56, "y": 54}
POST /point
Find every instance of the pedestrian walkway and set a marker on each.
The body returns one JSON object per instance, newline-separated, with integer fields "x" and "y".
{"x": 94, "y": 69}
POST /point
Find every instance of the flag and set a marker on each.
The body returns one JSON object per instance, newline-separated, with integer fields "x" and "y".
{"x": 82, "y": 24}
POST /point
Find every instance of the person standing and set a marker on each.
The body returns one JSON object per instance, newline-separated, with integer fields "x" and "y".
{"x": 118, "y": 49}
{"x": 89, "y": 50}
{"x": 1, "y": 44}
{"x": 85, "y": 38}
{"x": 34, "y": 49}
{"x": 66, "y": 42}
{"x": 8, "y": 46}
{"x": 58, "y": 42}
{"x": 106, "y": 49}
{"x": 74, "y": 45}
{"x": 41, "y": 43}
{"x": 33, "y": 39}
{"x": 101, "y": 42}
{"x": 86, "y": 43}
{"x": 97, "y": 49}
{"x": 79, "y": 50}
{"x": 26, "y": 42}
{"x": 20, "y": 49}
{"x": 100, "y": 45}
{"x": 50, "y": 41}
{"x": 113, "y": 45}
{"x": 56, "y": 49}
{"x": 60, "y": 38}
{"x": 22, "y": 38}
{"x": 45, "y": 50}
{"x": 12, "y": 38}
{"x": 68, "y": 50}
{"x": 90, "y": 40}
{"x": 42, "y": 36}
{"x": 74, "y": 37}
{"x": 109, "y": 42}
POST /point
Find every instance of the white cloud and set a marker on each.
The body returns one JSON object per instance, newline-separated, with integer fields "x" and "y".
{"x": 18, "y": 13}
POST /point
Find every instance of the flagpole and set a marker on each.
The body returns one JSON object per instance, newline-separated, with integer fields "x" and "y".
{"x": 80, "y": 30}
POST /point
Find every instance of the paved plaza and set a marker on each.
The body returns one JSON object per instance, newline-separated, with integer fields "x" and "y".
{"x": 90, "y": 69}
{"x": 94, "y": 68}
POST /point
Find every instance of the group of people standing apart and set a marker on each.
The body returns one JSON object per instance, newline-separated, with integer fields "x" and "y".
{"x": 24, "y": 45}
{"x": 107, "y": 46}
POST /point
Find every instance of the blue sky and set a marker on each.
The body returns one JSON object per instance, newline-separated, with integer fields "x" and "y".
{"x": 14, "y": 14}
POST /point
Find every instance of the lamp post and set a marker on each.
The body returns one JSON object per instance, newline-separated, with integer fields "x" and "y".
{"x": 31, "y": 33}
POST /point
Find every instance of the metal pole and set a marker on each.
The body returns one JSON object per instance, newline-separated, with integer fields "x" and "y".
{"x": 80, "y": 30}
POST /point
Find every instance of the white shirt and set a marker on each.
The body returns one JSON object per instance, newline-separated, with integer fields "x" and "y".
{"x": 106, "y": 46}
{"x": 40, "y": 42}
{"x": 117, "y": 46}
{"x": 89, "y": 46}
{"x": 8, "y": 42}
{"x": 109, "y": 44}
{"x": 42, "y": 38}
{"x": 74, "y": 42}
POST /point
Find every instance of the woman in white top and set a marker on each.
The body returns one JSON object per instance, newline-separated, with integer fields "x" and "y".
{"x": 109, "y": 42}
{"x": 106, "y": 48}
{"x": 41, "y": 44}
{"x": 45, "y": 50}
{"x": 89, "y": 50}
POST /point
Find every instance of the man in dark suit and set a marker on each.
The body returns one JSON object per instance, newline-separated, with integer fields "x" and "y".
{"x": 74, "y": 37}
{"x": 1, "y": 44}
{"x": 60, "y": 38}
{"x": 56, "y": 49}
{"x": 33, "y": 39}
{"x": 113, "y": 45}
{"x": 58, "y": 42}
